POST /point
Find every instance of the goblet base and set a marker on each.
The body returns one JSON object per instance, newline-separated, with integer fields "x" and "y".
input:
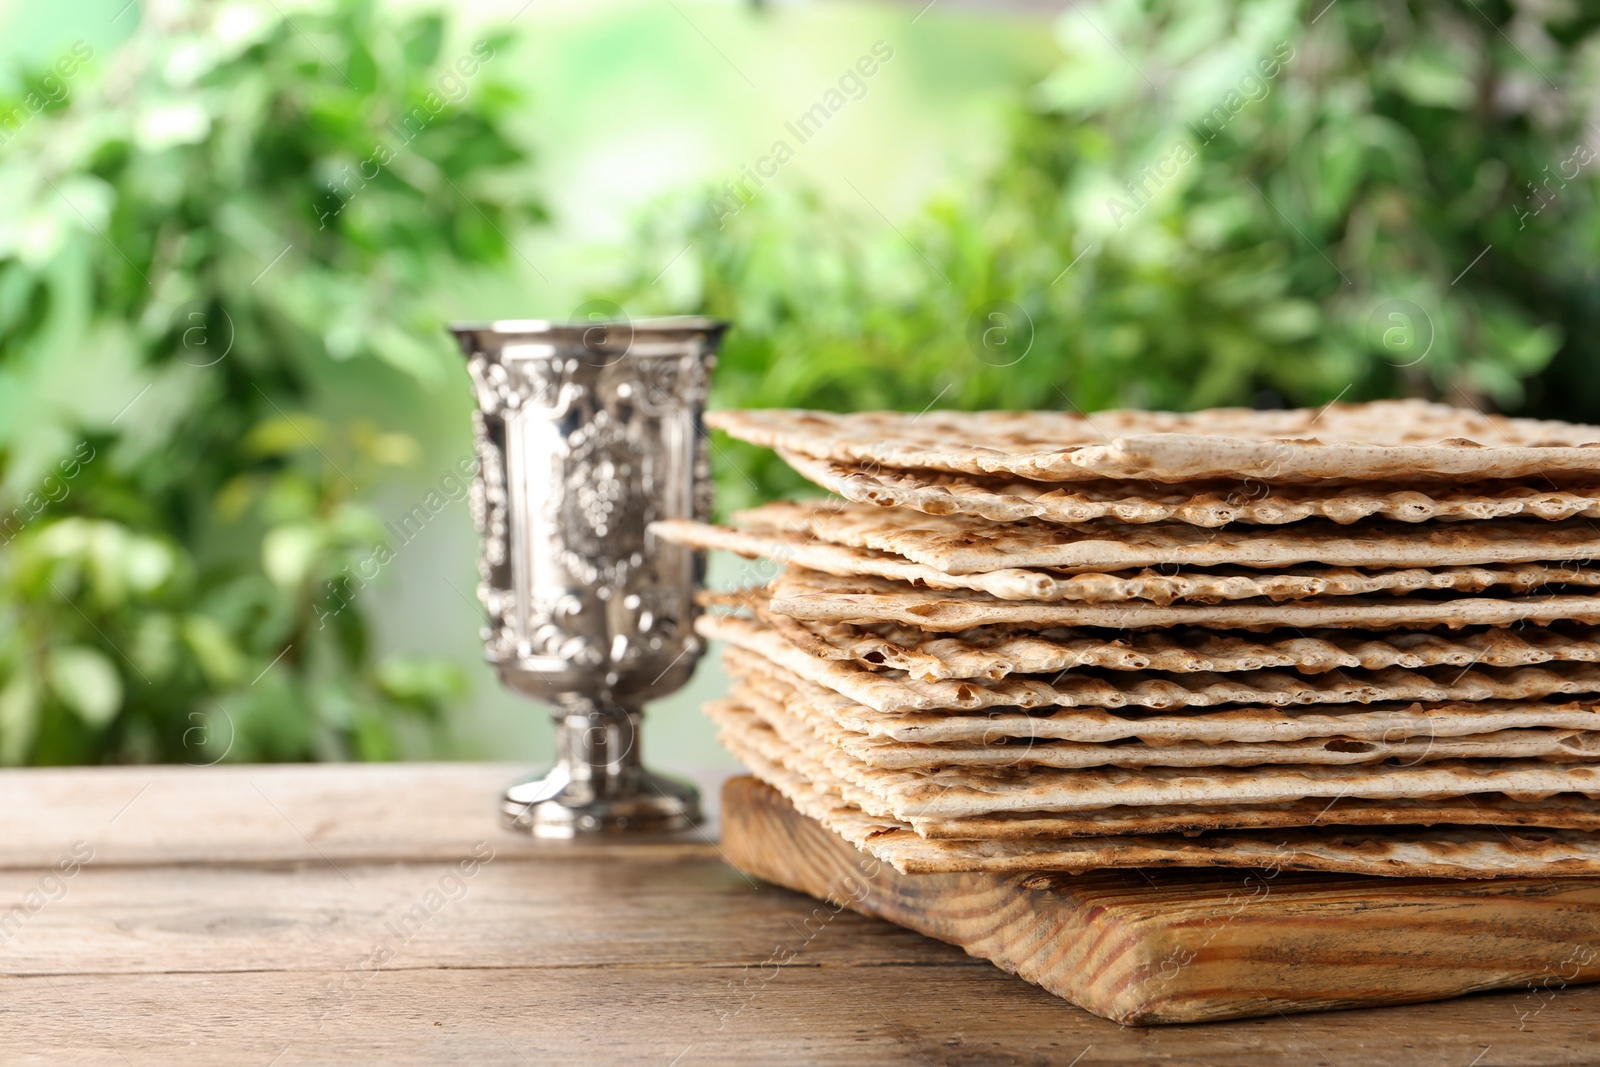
{"x": 555, "y": 805}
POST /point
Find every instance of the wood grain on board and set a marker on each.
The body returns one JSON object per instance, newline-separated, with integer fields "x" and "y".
{"x": 1165, "y": 946}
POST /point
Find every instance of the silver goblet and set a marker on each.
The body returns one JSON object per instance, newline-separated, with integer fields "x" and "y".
{"x": 587, "y": 433}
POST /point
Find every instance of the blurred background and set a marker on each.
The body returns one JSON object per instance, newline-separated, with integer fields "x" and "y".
{"x": 231, "y": 233}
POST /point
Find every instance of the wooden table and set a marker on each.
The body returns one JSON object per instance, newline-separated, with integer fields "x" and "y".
{"x": 377, "y": 913}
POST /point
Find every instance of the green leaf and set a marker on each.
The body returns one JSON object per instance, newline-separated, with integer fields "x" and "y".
{"x": 19, "y": 717}
{"x": 286, "y": 434}
{"x": 288, "y": 553}
{"x": 420, "y": 682}
{"x": 86, "y": 682}
{"x": 421, "y": 41}
{"x": 147, "y": 563}
{"x": 1432, "y": 79}
{"x": 16, "y": 285}
{"x": 391, "y": 449}
{"x": 362, "y": 69}
{"x": 374, "y": 740}
{"x": 219, "y": 658}
{"x": 155, "y": 645}
{"x": 424, "y": 362}
{"x": 1288, "y": 320}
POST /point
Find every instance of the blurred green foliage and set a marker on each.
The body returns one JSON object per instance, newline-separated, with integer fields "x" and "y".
{"x": 217, "y": 255}
{"x": 1205, "y": 204}
{"x": 222, "y": 247}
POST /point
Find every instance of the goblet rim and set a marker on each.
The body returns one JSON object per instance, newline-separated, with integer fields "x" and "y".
{"x": 550, "y": 328}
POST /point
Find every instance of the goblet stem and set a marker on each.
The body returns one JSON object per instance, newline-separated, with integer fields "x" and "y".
{"x": 598, "y": 783}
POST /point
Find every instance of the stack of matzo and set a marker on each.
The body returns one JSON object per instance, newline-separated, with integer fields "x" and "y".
{"x": 1363, "y": 639}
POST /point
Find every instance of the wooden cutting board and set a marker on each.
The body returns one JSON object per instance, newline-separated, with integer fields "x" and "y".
{"x": 1176, "y": 946}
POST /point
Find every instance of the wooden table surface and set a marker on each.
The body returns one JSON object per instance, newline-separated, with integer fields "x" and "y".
{"x": 377, "y": 913}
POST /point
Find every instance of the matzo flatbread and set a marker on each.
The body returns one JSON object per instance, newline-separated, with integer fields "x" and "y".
{"x": 1557, "y": 746}
{"x": 1077, "y": 689}
{"x": 1208, "y": 505}
{"x": 744, "y": 733}
{"x": 1462, "y": 852}
{"x": 1358, "y": 722}
{"x": 740, "y": 724}
{"x": 1099, "y": 588}
{"x": 819, "y": 597}
{"x": 1565, "y": 812}
{"x": 1387, "y": 440}
{"x": 1408, "y": 852}
{"x": 994, "y": 652}
{"x": 960, "y": 544}
{"x": 961, "y": 792}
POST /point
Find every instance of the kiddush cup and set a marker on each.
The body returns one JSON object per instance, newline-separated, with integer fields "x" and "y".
{"x": 587, "y": 433}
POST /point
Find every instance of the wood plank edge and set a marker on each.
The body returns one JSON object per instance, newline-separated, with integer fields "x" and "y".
{"x": 1137, "y": 965}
